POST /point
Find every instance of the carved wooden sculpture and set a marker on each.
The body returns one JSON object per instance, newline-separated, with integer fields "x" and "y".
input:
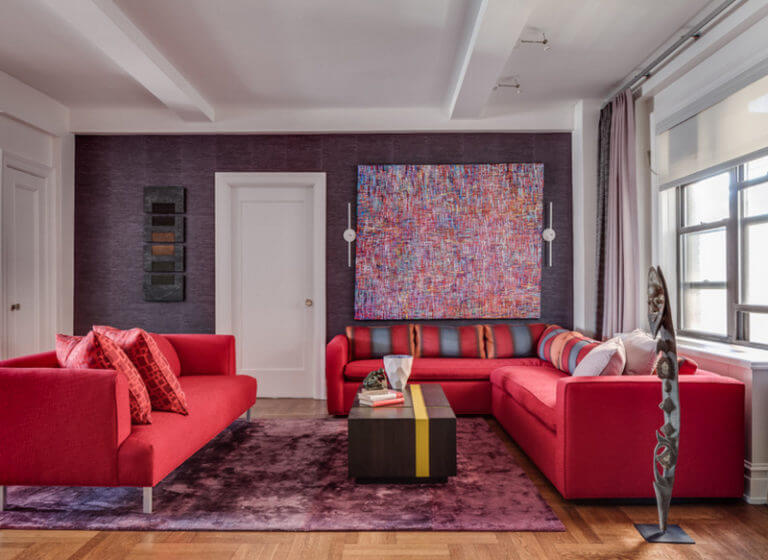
{"x": 668, "y": 436}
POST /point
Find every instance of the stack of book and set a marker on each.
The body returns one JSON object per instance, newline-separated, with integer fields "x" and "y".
{"x": 380, "y": 397}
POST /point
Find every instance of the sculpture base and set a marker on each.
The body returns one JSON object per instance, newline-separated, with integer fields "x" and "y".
{"x": 673, "y": 535}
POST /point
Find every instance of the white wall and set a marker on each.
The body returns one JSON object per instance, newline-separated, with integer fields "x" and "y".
{"x": 586, "y": 120}
{"x": 643, "y": 110}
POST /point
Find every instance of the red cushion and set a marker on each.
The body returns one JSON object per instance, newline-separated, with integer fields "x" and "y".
{"x": 533, "y": 388}
{"x": 151, "y": 452}
{"x": 510, "y": 340}
{"x": 80, "y": 352}
{"x": 564, "y": 349}
{"x": 686, "y": 366}
{"x": 169, "y": 352}
{"x": 449, "y": 342}
{"x": 95, "y": 351}
{"x": 440, "y": 369}
{"x": 162, "y": 385}
{"x": 375, "y": 342}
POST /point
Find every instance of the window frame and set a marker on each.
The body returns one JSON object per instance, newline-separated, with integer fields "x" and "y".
{"x": 737, "y": 322}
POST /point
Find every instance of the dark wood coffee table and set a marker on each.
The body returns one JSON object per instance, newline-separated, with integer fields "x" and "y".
{"x": 412, "y": 442}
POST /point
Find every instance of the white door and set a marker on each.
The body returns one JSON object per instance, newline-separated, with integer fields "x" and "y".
{"x": 23, "y": 219}
{"x": 272, "y": 287}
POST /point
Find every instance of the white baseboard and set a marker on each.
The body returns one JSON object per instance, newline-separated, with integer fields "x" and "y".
{"x": 755, "y": 483}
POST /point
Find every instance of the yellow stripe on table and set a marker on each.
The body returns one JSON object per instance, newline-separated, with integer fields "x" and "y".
{"x": 421, "y": 420}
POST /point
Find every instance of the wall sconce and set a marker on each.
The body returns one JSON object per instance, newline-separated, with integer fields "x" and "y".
{"x": 548, "y": 235}
{"x": 349, "y": 234}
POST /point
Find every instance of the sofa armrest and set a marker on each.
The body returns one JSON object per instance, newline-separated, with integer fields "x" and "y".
{"x": 205, "y": 354}
{"x": 606, "y": 427}
{"x": 61, "y": 426}
{"x": 336, "y": 358}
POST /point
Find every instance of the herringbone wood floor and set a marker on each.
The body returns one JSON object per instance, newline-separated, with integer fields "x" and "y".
{"x": 722, "y": 530}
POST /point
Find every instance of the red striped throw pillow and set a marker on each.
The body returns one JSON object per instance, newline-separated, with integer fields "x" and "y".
{"x": 449, "y": 342}
{"x": 512, "y": 341}
{"x": 564, "y": 349}
{"x": 376, "y": 342}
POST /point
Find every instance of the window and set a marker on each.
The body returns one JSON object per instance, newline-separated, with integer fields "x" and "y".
{"x": 723, "y": 255}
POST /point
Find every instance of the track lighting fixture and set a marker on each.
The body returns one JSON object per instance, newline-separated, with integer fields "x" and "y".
{"x": 508, "y": 82}
{"x": 544, "y": 42}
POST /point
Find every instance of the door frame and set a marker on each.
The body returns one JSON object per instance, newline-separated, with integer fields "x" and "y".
{"x": 224, "y": 184}
{"x": 46, "y": 326}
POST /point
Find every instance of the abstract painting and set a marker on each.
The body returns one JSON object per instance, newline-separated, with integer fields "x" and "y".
{"x": 449, "y": 241}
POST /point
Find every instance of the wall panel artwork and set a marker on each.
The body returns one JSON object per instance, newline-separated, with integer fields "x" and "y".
{"x": 449, "y": 241}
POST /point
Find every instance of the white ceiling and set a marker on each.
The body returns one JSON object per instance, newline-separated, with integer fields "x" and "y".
{"x": 296, "y": 59}
{"x": 595, "y": 44}
{"x": 308, "y": 53}
{"x": 39, "y": 49}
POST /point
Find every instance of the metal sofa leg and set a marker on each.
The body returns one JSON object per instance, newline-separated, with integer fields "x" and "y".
{"x": 3, "y": 490}
{"x": 248, "y": 415}
{"x": 147, "y": 499}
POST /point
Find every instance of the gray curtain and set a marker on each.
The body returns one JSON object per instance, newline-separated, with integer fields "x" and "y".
{"x": 603, "y": 149}
{"x": 621, "y": 274}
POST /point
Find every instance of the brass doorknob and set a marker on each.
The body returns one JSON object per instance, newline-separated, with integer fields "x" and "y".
{"x": 308, "y": 302}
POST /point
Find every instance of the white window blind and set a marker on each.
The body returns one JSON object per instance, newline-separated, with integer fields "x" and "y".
{"x": 716, "y": 137}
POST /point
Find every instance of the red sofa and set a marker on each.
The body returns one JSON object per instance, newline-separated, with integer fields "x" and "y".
{"x": 592, "y": 437}
{"x": 72, "y": 427}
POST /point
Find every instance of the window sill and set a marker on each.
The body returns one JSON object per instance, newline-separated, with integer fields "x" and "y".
{"x": 732, "y": 354}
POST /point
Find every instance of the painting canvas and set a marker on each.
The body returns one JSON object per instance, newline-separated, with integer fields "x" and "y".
{"x": 449, "y": 241}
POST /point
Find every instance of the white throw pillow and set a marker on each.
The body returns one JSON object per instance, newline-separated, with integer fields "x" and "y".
{"x": 608, "y": 358}
{"x": 641, "y": 352}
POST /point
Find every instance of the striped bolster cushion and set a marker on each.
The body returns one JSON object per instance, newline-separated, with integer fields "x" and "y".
{"x": 375, "y": 342}
{"x": 564, "y": 349}
{"x": 449, "y": 342}
{"x": 512, "y": 341}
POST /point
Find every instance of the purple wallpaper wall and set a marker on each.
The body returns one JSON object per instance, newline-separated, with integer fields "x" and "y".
{"x": 111, "y": 171}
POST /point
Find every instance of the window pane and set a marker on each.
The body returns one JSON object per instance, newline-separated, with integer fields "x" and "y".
{"x": 757, "y": 168}
{"x": 756, "y": 264}
{"x": 754, "y": 200}
{"x": 704, "y": 256}
{"x": 707, "y": 200}
{"x": 758, "y": 327}
{"x": 704, "y": 310}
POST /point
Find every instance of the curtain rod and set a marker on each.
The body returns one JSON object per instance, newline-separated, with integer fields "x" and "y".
{"x": 694, "y": 34}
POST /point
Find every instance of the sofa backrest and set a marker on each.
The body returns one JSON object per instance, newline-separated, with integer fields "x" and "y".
{"x": 501, "y": 340}
{"x": 42, "y": 360}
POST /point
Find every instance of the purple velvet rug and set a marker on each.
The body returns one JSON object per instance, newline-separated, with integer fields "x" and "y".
{"x": 291, "y": 475}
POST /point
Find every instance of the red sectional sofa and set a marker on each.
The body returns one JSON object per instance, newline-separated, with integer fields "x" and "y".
{"x": 592, "y": 437}
{"x": 72, "y": 427}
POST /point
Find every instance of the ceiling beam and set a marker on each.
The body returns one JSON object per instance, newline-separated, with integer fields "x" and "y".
{"x": 30, "y": 106}
{"x": 107, "y": 27}
{"x": 489, "y": 39}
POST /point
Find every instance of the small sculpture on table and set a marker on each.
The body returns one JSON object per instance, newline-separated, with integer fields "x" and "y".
{"x": 668, "y": 436}
{"x": 375, "y": 380}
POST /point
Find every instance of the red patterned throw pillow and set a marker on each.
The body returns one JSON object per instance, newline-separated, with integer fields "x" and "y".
{"x": 94, "y": 351}
{"x": 163, "y": 387}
